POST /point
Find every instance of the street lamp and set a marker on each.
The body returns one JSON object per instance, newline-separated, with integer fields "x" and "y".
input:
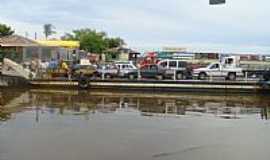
{"x": 215, "y": 2}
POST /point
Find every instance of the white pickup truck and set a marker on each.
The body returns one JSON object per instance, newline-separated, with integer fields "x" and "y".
{"x": 227, "y": 68}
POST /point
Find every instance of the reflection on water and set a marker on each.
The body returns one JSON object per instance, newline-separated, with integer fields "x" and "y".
{"x": 69, "y": 125}
{"x": 173, "y": 105}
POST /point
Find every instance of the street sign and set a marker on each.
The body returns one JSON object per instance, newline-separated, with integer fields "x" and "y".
{"x": 215, "y": 2}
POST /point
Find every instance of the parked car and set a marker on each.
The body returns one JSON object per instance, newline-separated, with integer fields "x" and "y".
{"x": 148, "y": 71}
{"x": 108, "y": 71}
{"x": 175, "y": 69}
{"x": 85, "y": 70}
{"x": 227, "y": 68}
{"x": 125, "y": 68}
{"x": 266, "y": 75}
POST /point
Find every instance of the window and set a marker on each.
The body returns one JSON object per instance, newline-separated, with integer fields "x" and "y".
{"x": 182, "y": 64}
{"x": 114, "y": 56}
{"x": 173, "y": 64}
{"x": 125, "y": 66}
{"x": 164, "y": 64}
{"x": 215, "y": 66}
{"x": 229, "y": 61}
{"x": 153, "y": 67}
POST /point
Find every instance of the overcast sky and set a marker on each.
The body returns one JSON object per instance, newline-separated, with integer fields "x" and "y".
{"x": 239, "y": 25}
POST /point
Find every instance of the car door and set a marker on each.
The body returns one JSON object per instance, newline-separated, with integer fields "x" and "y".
{"x": 153, "y": 71}
{"x": 214, "y": 70}
{"x": 172, "y": 68}
{"x": 126, "y": 69}
{"x": 144, "y": 71}
{"x": 121, "y": 70}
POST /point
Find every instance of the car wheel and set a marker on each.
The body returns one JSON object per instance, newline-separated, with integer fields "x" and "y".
{"x": 179, "y": 76}
{"x": 159, "y": 77}
{"x": 232, "y": 76}
{"x": 266, "y": 77}
{"x": 108, "y": 76}
{"x": 131, "y": 77}
{"x": 202, "y": 76}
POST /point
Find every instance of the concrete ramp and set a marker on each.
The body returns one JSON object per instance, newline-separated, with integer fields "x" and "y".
{"x": 11, "y": 68}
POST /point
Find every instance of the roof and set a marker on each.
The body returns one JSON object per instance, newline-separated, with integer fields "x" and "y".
{"x": 17, "y": 41}
{"x": 60, "y": 43}
{"x": 122, "y": 49}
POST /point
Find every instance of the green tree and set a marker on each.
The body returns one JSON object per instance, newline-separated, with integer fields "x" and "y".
{"x": 48, "y": 30}
{"x": 114, "y": 42}
{"x": 92, "y": 40}
{"x": 5, "y": 30}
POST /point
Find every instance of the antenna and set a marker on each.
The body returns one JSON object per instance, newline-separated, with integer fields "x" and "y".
{"x": 216, "y": 2}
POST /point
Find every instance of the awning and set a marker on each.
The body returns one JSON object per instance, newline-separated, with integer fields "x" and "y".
{"x": 60, "y": 43}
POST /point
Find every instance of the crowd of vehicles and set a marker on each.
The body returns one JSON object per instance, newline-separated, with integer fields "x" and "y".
{"x": 227, "y": 68}
{"x": 166, "y": 69}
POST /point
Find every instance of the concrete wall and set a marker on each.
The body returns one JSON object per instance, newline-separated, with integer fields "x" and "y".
{"x": 10, "y": 81}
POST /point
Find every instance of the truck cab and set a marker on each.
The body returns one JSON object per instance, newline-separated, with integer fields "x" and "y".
{"x": 227, "y": 68}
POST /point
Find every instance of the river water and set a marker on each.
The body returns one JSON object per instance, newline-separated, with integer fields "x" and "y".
{"x": 79, "y": 125}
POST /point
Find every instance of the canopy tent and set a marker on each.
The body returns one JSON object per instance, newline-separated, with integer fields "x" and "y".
{"x": 60, "y": 43}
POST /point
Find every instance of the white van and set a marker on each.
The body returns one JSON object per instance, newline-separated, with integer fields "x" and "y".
{"x": 175, "y": 69}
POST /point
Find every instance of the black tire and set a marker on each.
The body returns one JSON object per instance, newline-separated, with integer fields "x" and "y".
{"x": 180, "y": 76}
{"x": 261, "y": 77}
{"x": 202, "y": 76}
{"x": 160, "y": 77}
{"x": 265, "y": 86}
{"x": 83, "y": 82}
{"x": 108, "y": 76}
{"x": 266, "y": 77}
{"x": 232, "y": 76}
{"x": 131, "y": 76}
{"x": 96, "y": 74}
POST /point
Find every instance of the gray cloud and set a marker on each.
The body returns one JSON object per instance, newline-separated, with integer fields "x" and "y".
{"x": 140, "y": 22}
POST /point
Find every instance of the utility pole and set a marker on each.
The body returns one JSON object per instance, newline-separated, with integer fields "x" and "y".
{"x": 35, "y": 35}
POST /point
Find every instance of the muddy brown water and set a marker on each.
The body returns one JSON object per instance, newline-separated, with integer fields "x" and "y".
{"x": 74, "y": 125}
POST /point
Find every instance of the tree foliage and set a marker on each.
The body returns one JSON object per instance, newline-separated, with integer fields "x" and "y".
{"x": 5, "y": 30}
{"x": 93, "y": 41}
{"x": 114, "y": 42}
{"x": 48, "y": 30}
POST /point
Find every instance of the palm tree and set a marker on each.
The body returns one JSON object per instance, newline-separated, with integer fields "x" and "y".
{"x": 5, "y": 30}
{"x": 48, "y": 30}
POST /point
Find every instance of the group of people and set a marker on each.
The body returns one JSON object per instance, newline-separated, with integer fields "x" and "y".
{"x": 43, "y": 67}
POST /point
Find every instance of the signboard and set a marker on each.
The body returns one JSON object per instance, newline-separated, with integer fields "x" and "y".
{"x": 85, "y": 62}
{"x": 173, "y": 49}
{"x": 214, "y": 2}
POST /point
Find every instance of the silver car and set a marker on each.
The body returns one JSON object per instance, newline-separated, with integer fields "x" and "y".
{"x": 107, "y": 71}
{"x": 125, "y": 68}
